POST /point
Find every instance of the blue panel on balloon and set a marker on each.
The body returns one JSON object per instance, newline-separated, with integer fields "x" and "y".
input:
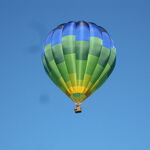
{"x": 106, "y": 40}
{"x": 82, "y": 31}
{"x": 69, "y": 29}
{"x": 57, "y": 36}
{"x": 95, "y": 31}
{"x": 48, "y": 39}
{"x": 112, "y": 43}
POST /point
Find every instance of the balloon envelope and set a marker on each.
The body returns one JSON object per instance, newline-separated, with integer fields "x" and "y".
{"x": 78, "y": 57}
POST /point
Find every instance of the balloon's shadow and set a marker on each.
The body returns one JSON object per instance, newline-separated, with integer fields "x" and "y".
{"x": 44, "y": 99}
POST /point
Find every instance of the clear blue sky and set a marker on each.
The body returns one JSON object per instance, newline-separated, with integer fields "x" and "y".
{"x": 35, "y": 115}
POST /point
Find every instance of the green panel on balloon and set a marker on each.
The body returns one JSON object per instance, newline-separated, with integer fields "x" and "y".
{"x": 91, "y": 64}
{"x": 70, "y": 60}
{"x": 54, "y": 68}
{"x": 104, "y": 56}
{"x": 58, "y": 53}
{"x": 68, "y": 44}
{"x": 80, "y": 68}
{"x": 82, "y": 50}
{"x": 97, "y": 72}
{"x": 112, "y": 57}
{"x": 63, "y": 71}
{"x": 48, "y": 53}
{"x": 95, "y": 46}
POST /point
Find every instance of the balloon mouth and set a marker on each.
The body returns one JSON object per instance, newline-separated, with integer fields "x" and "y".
{"x": 78, "y": 98}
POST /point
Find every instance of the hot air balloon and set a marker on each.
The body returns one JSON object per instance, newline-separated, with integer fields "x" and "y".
{"x": 78, "y": 57}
